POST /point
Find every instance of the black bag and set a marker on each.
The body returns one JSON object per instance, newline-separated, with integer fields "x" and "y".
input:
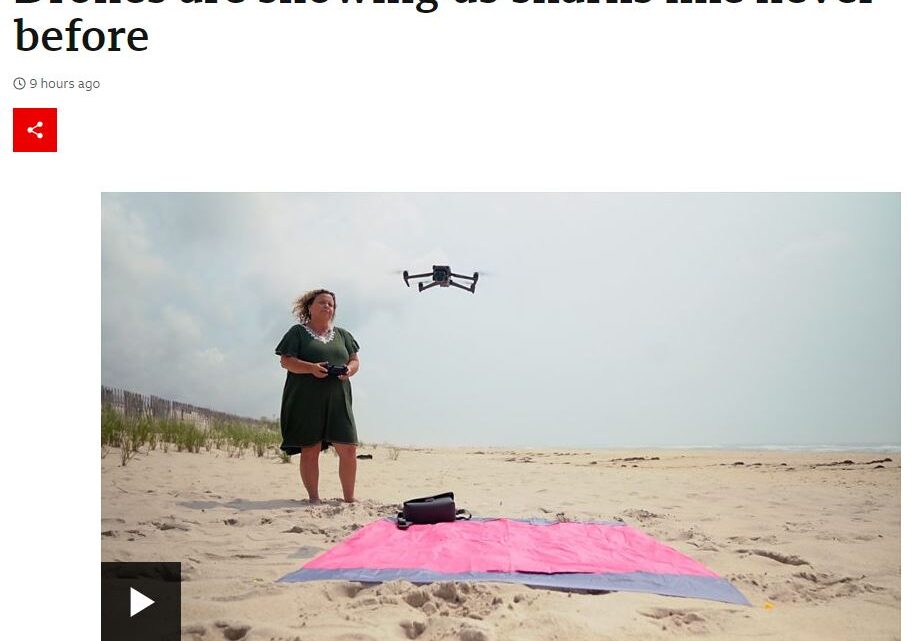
{"x": 430, "y": 509}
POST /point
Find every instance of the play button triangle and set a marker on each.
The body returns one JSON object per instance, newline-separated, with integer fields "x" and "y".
{"x": 139, "y": 602}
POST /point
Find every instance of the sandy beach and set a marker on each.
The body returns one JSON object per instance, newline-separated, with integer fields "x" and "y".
{"x": 811, "y": 538}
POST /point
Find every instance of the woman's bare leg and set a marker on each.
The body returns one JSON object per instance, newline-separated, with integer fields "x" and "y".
{"x": 346, "y": 468}
{"x": 308, "y": 470}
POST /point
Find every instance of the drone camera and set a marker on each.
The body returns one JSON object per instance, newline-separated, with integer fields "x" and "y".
{"x": 441, "y": 273}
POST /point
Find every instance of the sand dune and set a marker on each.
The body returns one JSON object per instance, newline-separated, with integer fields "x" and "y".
{"x": 812, "y": 539}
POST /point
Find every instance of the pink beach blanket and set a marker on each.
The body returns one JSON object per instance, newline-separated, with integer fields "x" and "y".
{"x": 504, "y": 545}
{"x": 563, "y": 555}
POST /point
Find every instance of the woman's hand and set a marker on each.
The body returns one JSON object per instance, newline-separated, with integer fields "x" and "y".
{"x": 352, "y": 367}
{"x": 299, "y": 366}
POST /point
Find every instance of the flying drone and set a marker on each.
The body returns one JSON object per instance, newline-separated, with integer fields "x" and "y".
{"x": 442, "y": 276}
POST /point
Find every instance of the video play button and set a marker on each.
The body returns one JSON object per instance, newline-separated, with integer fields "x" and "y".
{"x": 138, "y": 602}
{"x": 141, "y": 601}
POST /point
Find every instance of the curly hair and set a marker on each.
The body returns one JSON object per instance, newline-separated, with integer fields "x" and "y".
{"x": 301, "y": 304}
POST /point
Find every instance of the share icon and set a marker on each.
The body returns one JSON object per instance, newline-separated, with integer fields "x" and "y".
{"x": 34, "y": 129}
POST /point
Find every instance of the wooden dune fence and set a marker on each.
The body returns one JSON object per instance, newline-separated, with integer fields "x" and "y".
{"x": 134, "y": 405}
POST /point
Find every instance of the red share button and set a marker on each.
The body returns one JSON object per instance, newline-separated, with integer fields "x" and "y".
{"x": 35, "y": 129}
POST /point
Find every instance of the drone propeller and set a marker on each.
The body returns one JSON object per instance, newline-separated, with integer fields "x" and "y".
{"x": 403, "y": 273}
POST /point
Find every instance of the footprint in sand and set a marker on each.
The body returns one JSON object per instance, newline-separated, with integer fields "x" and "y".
{"x": 473, "y": 633}
{"x": 233, "y": 632}
{"x": 753, "y": 539}
{"x": 787, "y": 559}
{"x": 306, "y": 552}
{"x": 348, "y": 590}
{"x": 820, "y": 587}
{"x": 642, "y": 515}
{"x": 698, "y": 540}
{"x": 413, "y": 629}
{"x": 228, "y": 631}
{"x": 759, "y": 581}
{"x": 467, "y": 600}
{"x": 168, "y": 525}
{"x": 676, "y": 618}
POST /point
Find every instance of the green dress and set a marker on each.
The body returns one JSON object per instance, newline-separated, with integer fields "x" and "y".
{"x": 316, "y": 410}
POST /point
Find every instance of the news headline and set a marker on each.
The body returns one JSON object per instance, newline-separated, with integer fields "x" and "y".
{"x": 78, "y": 36}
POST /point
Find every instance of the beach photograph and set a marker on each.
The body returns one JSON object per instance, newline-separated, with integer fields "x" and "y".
{"x": 499, "y": 416}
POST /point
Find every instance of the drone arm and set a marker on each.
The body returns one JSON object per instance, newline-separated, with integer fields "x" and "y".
{"x": 473, "y": 280}
{"x": 424, "y": 286}
{"x": 407, "y": 278}
{"x": 465, "y": 287}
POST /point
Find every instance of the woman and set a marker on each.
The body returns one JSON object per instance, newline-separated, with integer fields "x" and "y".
{"x": 317, "y": 408}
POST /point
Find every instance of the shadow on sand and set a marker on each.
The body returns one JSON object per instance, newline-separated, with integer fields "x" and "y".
{"x": 242, "y": 504}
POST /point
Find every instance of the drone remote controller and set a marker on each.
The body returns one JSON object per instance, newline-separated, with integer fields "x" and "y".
{"x": 335, "y": 370}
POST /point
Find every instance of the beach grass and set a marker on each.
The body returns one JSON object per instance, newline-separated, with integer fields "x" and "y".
{"x": 134, "y": 434}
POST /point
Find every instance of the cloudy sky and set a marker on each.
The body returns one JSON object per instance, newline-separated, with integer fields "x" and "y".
{"x": 614, "y": 320}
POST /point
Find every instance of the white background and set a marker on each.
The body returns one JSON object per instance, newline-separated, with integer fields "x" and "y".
{"x": 503, "y": 97}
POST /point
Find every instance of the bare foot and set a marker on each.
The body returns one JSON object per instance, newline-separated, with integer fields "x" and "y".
{"x": 350, "y": 500}
{"x": 314, "y": 501}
